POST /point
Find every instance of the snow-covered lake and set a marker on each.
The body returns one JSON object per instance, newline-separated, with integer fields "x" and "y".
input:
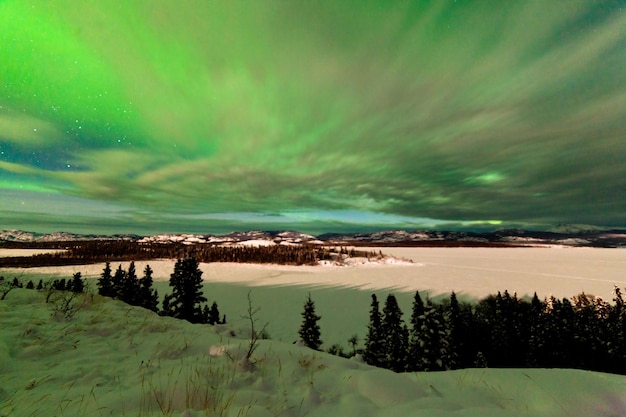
{"x": 346, "y": 291}
{"x": 4, "y": 253}
{"x": 118, "y": 360}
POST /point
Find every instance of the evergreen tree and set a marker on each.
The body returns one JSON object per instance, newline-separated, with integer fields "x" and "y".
{"x": 309, "y": 330}
{"x": 148, "y": 297}
{"x": 166, "y": 308}
{"x": 558, "y": 327}
{"x": 30, "y": 285}
{"x": 455, "y": 332}
{"x": 130, "y": 292}
{"x": 590, "y": 334}
{"x": 469, "y": 344}
{"x": 395, "y": 333}
{"x": 186, "y": 283}
{"x": 40, "y": 285}
{"x": 536, "y": 338}
{"x": 105, "y": 282}
{"x": 513, "y": 318}
{"x": 214, "y": 314}
{"x": 206, "y": 314}
{"x": 499, "y": 354}
{"x": 434, "y": 340}
{"x": 617, "y": 326}
{"x": 417, "y": 319}
{"x": 78, "y": 285}
{"x": 374, "y": 350}
{"x": 508, "y": 349}
{"x": 118, "y": 282}
{"x": 480, "y": 361}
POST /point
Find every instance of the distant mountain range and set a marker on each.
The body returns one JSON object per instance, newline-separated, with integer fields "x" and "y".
{"x": 567, "y": 235}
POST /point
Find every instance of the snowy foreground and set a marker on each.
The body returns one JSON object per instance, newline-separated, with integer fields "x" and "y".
{"x": 114, "y": 359}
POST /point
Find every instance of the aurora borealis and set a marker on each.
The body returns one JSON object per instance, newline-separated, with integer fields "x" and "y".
{"x": 208, "y": 116}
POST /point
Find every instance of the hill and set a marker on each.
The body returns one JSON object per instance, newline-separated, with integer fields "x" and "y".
{"x": 115, "y": 360}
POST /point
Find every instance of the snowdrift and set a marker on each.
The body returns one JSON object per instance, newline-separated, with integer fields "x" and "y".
{"x": 111, "y": 359}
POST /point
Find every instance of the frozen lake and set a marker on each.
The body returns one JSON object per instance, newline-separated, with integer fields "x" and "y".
{"x": 470, "y": 272}
{"x": 4, "y": 253}
{"x": 345, "y": 291}
{"x": 477, "y": 272}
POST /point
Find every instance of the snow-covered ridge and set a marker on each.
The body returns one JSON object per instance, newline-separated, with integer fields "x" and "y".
{"x": 250, "y": 238}
{"x": 562, "y": 235}
{"x": 13, "y": 235}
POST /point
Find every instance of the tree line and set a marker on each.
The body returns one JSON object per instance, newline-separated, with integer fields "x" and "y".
{"x": 499, "y": 331}
{"x": 74, "y": 285}
{"x": 186, "y": 301}
{"x": 81, "y": 252}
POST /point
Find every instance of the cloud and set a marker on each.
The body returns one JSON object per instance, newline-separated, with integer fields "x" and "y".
{"x": 24, "y": 130}
{"x": 456, "y": 111}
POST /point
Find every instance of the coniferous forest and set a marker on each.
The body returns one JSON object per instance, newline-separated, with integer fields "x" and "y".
{"x": 185, "y": 302}
{"x": 82, "y": 252}
{"x": 499, "y": 331}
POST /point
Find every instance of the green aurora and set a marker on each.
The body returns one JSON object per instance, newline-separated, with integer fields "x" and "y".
{"x": 209, "y": 116}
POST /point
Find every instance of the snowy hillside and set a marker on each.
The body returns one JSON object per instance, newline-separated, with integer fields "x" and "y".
{"x": 111, "y": 359}
{"x": 567, "y": 235}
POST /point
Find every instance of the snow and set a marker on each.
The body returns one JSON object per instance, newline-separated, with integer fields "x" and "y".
{"x": 256, "y": 242}
{"x": 26, "y": 252}
{"x": 114, "y": 359}
{"x": 471, "y": 272}
{"x": 342, "y": 293}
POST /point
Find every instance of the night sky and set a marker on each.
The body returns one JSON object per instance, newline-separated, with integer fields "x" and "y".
{"x": 210, "y": 116}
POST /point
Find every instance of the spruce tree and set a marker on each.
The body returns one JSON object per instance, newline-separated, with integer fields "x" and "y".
{"x": 415, "y": 348}
{"x": 130, "y": 286}
{"x": 77, "y": 284}
{"x": 309, "y": 330}
{"x": 569, "y": 344}
{"x": 206, "y": 314}
{"x": 535, "y": 356}
{"x": 454, "y": 327}
{"x": 148, "y": 297}
{"x": 105, "y": 282}
{"x": 118, "y": 282}
{"x": 166, "y": 308}
{"x": 434, "y": 341}
{"x": 186, "y": 299}
{"x": 373, "y": 353}
{"x": 395, "y": 333}
{"x": 617, "y": 326}
{"x": 509, "y": 332}
{"x": 214, "y": 314}
{"x": 559, "y": 341}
